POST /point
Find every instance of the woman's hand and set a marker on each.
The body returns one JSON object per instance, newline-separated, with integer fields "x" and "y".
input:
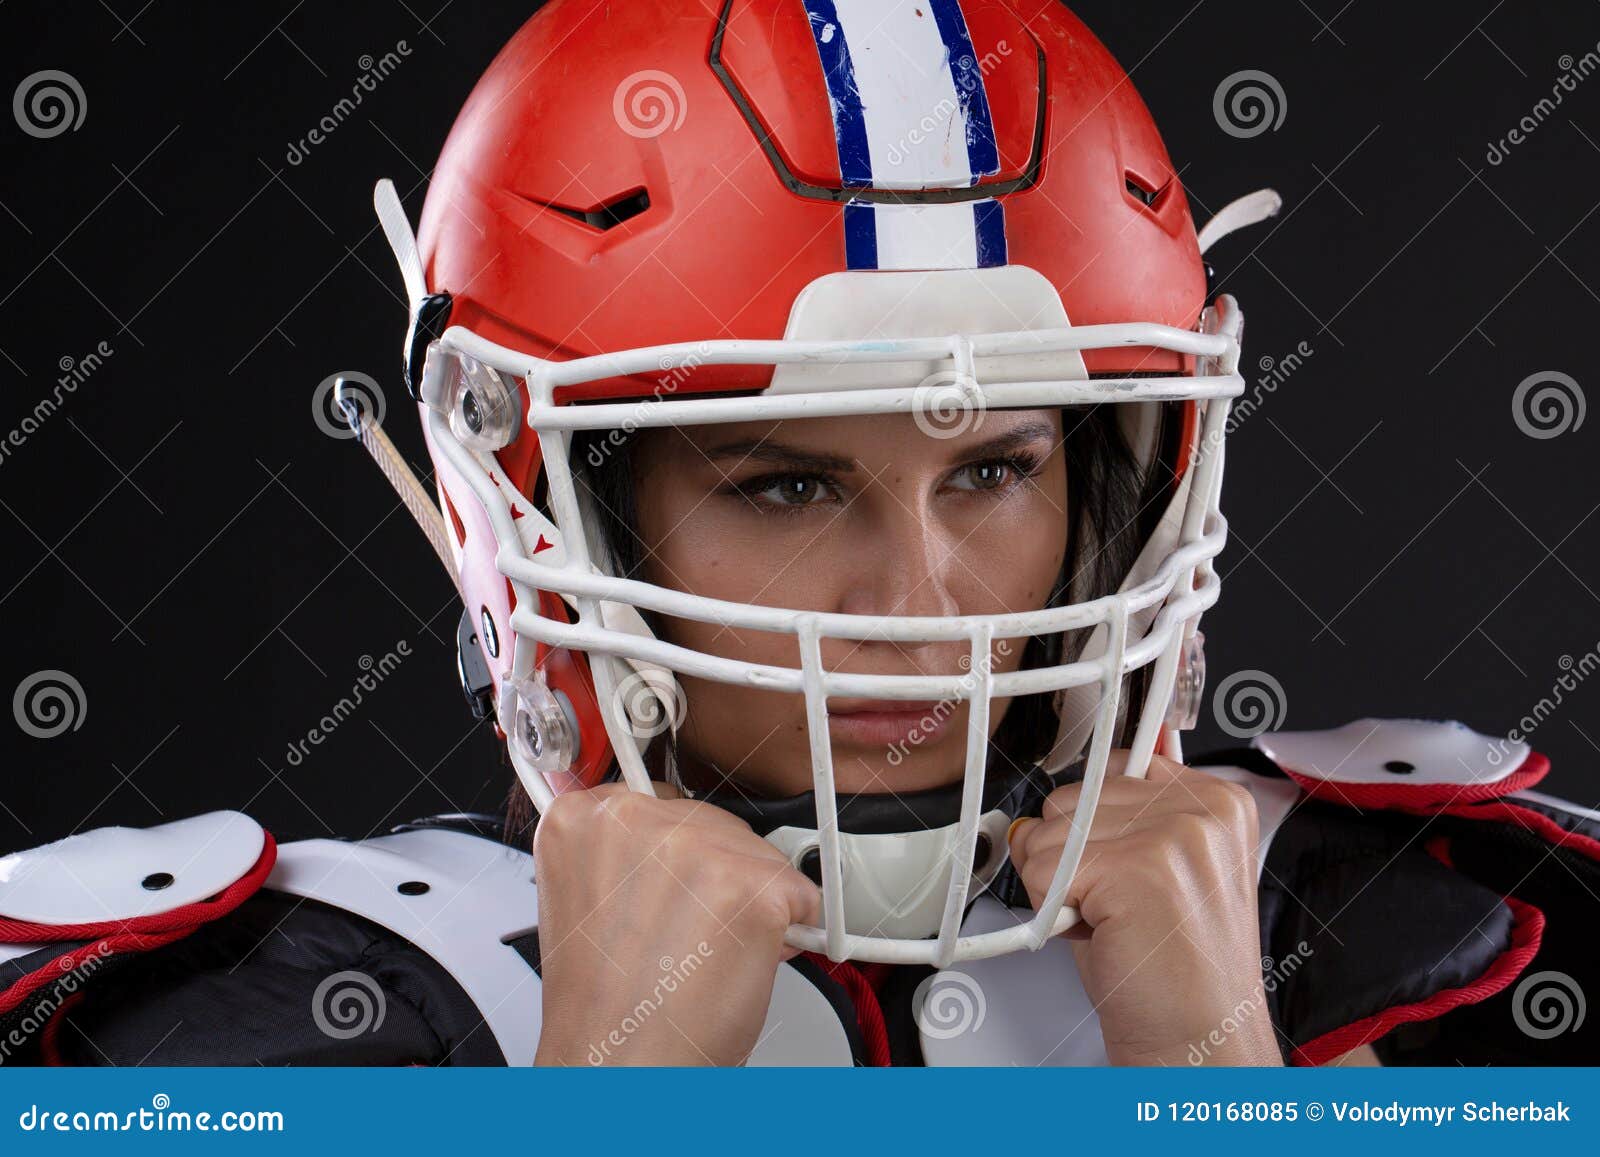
{"x": 661, "y": 927}
{"x": 1169, "y": 947}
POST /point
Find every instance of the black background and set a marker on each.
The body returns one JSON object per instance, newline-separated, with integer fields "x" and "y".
{"x": 212, "y": 568}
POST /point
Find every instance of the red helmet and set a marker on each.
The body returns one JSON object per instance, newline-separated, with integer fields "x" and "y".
{"x": 675, "y": 212}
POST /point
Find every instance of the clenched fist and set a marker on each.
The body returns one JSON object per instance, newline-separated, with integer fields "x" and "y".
{"x": 661, "y": 925}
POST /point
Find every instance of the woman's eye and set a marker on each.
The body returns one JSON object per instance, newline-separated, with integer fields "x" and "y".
{"x": 796, "y": 491}
{"x": 982, "y": 476}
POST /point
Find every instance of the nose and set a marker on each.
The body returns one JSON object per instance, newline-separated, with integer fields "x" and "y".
{"x": 908, "y": 566}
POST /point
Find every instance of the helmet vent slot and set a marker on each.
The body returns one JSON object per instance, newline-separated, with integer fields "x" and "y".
{"x": 1141, "y": 191}
{"x": 609, "y": 214}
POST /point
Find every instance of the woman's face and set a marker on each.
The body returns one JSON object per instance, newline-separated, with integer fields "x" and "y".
{"x": 860, "y": 516}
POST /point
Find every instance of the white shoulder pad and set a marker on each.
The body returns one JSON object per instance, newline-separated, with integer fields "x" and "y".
{"x": 460, "y": 898}
{"x": 123, "y": 873}
{"x": 1394, "y": 752}
{"x": 1023, "y": 1008}
{"x": 457, "y": 897}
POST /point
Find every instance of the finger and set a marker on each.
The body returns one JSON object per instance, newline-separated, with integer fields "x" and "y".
{"x": 1160, "y": 768}
{"x": 1034, "y": 838}
{"x": 1039, "y": 872}
{"x": 800, "y": 898}
{"x": 1118, "y": 787}
{"x": 1101, "y": 860}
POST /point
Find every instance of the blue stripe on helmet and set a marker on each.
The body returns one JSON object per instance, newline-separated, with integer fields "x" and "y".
{"x": 983, "y": 155}
{"x": 849, "y": 121}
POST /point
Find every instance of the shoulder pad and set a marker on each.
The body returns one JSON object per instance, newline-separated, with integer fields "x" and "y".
{"x": 1396, "y": 753}
{"x": 463, "y": 899}
{"x": 1429, "y": 827}
{"x": 122, "y": 873}
{"x": 460, "y": 898}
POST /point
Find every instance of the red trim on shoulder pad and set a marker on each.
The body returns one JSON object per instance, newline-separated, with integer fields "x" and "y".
{"x": 859, "y": 984}
{"x": 139, "y": 934}
{"x": 1421, "y": 798}
{"x": 50, "y": 1037}
{"x": 1527, "y": 930}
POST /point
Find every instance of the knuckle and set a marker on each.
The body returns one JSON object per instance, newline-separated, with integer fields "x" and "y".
{"x": 719, "y": 880}
{"x": 1233, "y": 801}
{"x": 564, "y": 818}
{"x": 628, "y": 808}
{"x": 1061, "y": 803}
{"x": 1191, "y": 833}
{"x": 768, "y": 909}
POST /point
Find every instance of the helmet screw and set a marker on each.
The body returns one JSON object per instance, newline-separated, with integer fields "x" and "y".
{"x": 471, "y": 413}
{"x": 530, "y": 733}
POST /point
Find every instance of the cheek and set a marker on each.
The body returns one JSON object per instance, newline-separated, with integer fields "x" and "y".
{"x": 1013, "y": 557}
{"x": 720, "y": 551}
{"x": 704, "y": 556}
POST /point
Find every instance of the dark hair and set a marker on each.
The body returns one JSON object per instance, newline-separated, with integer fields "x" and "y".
{"x": 1114, "y": 504}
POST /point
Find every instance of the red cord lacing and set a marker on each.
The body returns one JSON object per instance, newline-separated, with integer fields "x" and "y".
{"x": 137, "y": 934}
{"x": 861, "y": 983}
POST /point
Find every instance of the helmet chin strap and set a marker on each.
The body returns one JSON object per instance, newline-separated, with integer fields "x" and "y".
{"x": 413, "y": 495}
{"x": 899, "y": 850}
{"x": 380, "y": 448}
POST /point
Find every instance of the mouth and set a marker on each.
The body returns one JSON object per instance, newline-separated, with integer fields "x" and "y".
{"x": 888, "y": 723}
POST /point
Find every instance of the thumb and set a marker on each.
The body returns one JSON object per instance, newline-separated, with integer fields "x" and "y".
{"x": 804, "y": 901}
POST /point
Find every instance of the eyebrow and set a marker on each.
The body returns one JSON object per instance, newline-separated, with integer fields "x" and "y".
{"x": 773, "y": 453}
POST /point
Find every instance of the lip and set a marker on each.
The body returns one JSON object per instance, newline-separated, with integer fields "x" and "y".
{"x": 887, "y": 722}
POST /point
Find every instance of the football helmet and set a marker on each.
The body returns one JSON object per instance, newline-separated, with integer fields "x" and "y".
{"x": 683, "y": 213}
